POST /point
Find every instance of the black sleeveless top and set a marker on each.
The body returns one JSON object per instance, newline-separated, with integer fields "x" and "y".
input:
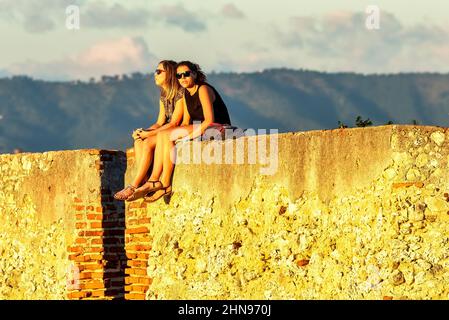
{"x": 195, "y": 109}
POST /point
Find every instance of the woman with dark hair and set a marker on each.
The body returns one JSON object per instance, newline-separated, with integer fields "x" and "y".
{"x": 204, "y": 106}
{"x": 171, "y": 108}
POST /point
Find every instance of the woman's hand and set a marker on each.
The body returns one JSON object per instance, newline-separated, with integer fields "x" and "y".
{"x": 137, "y": 134}
{"x": 143, "y": 134}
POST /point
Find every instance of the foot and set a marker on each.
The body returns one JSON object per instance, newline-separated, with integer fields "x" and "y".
{"x": 145, "y": 179}
{"x": 163, "y": 192}
{"x": 125, "y": 193}
{"x": 146, "y": 188}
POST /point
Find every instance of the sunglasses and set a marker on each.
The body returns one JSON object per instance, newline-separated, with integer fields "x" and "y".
{"x": 158, "y": 71}
{"x": 183, "y": 74}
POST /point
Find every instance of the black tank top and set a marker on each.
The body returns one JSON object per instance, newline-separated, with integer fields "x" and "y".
{"x": 195, "y": 109}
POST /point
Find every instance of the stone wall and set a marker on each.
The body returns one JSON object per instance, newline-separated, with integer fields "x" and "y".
{"x": 348, "y": 214}
{"x": 60, "y": 232}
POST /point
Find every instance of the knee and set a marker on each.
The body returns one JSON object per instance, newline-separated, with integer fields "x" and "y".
{"x": 137, "y": 143}
{"x": 150, "y": 143}
{"x": 161, "y": 135}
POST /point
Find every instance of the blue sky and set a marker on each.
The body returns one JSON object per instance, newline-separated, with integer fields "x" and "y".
{"x": 117, "y": 37}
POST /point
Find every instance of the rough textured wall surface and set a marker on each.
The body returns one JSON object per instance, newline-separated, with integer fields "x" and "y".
{"x": 350, "y": 214}
{"x": 40, "y": 196}
{"x": 33, "y": 257}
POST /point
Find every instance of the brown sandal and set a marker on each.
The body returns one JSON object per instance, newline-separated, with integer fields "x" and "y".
{"x": 120, "y": 194}
{"x": 139, "y": 193}
{"x": 166, "y": 194}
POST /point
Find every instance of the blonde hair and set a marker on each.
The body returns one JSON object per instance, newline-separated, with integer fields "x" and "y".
{"x": 171, "y": 83}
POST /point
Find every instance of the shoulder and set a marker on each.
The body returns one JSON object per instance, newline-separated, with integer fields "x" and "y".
{"x": 205, "y": 88}
{"x": 180, "y": 94}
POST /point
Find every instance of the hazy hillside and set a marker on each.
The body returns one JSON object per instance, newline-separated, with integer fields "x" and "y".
{"x": 38, "y": 116}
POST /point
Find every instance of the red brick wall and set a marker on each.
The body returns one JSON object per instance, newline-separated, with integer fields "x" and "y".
{"x": 110, "y": 253}
{"x": 138, "y": 246}
{"x": 98, "y": 255}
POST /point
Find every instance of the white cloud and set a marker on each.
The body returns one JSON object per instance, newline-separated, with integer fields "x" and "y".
{"x": 46, "y": 15}
{"x": 231, "y": 11}
{"x": 337, "y": 41}
{"x": 340, "y": 41}
{"x": 101, "y": 15}
{"x": 36, "y": 16}
{"x": 179, "y": 16}
{"x": 111, "y": 57}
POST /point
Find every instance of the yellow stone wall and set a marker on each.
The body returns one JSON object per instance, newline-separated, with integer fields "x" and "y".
{"x": 39, "y": 196}
{"x": 351, "y": 214}
{"x": 32, "y": 254}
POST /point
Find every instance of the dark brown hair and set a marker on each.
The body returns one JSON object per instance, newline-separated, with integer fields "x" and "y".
{"x": 200, "y": 75}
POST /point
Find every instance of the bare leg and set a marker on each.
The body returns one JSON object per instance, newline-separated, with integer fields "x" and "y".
{"x": 146, "y": 157}
{"x": 169, "y": 160}
{"x": 143, "y": 153}
{"x": 158, "y": 158}
{"x": 138, "y": 144}
{"x": 153, "y": 181}
{"x": 163, "y": 165}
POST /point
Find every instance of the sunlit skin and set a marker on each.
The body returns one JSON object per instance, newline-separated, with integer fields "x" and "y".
{"x": 145, "y": 141}
{"x": 163, "y": 165}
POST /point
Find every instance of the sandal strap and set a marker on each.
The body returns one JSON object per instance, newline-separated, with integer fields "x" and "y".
{"x": 119, "y": 194}
{"x": 165, "y": 193}
{"x": 153, "y": 182}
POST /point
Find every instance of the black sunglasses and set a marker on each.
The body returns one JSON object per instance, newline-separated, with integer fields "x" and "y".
{"x": 185, "y": 74}
{"x": 158, "y": 71}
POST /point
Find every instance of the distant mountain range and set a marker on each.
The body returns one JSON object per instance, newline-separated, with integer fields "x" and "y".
{"x": 38, "y": 116}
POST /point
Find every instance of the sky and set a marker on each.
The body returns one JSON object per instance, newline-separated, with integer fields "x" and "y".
{"x": 118, "y": 37}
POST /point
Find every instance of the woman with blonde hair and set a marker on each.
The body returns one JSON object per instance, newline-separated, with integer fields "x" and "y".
{"x": 171, "y": 107}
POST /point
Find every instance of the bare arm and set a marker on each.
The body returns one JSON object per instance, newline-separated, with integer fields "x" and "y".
{"x": 186, "y": 115}
{"x": 174, "y": 122}
{"x": 140, "y": 134}
{"x": 161, "y": 117}
{"x": 175, "y": 119}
